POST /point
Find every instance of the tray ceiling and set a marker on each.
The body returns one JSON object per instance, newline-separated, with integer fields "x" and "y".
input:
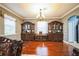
{"x": 31, "y": 10}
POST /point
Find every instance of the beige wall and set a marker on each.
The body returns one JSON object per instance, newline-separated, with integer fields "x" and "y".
{"x": 18, "y": 26}
{"x": 1, "y": 26}
{"x": 65, "y": 21}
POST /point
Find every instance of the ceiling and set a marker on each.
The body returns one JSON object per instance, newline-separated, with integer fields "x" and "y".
{"x": 31, "y": 10}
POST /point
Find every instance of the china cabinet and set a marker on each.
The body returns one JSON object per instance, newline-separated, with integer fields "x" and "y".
{"x": 55, "y": 31}
{"x": 27, "y": 32}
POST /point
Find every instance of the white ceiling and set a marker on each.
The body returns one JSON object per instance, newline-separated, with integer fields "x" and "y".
{"x": 57, "y": 10}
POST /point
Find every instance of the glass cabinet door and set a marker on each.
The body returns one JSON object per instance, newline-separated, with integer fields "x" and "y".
{"x": 28, "y": 27}
{"x": 56, "y": 27}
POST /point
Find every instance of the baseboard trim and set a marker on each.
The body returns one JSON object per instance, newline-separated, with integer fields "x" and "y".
{"x": 76, "y": 45}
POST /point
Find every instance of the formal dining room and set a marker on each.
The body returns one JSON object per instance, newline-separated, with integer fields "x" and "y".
{"x": 39, "y": 29}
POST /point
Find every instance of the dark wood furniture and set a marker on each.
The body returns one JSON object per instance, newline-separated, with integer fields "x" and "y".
{"x": 41, "y": 37}
{"x": 28, "y": 36}
{"x": 75, "y": 52}
{"x": 28, "y": 31}
{"x": 16, "y": 48}
{"x": 5, "y": 45}
{"x": 10, "y": 47}
{"x": 55, "y": 31}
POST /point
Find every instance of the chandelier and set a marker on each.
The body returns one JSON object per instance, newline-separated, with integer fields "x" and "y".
{"x": 41, "y": 24}
{"x": 41, "y": 17}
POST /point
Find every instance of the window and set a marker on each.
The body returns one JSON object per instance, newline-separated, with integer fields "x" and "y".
{"x": 72, "y": 22}
{"x": 42, "y": 26}
{"x": 9, "y": 25}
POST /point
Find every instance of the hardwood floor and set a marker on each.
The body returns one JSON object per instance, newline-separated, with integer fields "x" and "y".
{"x": 53, "y": 48}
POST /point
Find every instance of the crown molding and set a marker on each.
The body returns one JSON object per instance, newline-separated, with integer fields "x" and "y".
{"x": 44, "y": 18}
{"x": 6, "y": 8}
{"x": 70, "y": 11}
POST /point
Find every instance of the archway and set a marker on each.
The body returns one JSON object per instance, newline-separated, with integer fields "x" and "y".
{"x": 72, "y": 23}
